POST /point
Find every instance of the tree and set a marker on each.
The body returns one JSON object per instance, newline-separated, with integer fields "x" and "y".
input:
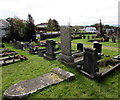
{"x": 95, "y": 25}
{"x": 108, "y": 26}
{"x": 16, "y": 29}
{"x": 56, "y": 26}
{"x": 53, "y": 25}
{"x": 76, "y": 28}
{"x": 50, "y": 25}
{"x": 29, "y": 29}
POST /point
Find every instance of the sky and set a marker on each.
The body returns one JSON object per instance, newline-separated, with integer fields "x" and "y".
{"x": 77, "y": 12}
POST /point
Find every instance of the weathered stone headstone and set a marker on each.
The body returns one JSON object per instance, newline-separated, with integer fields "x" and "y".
{"x": 2, "y": 45}
{"x": 17, "y": 45}
{"x": 14, "y": 43}
{"x": 90, "y": 61}
{"x": 80, "y": 47}
{"x": 26, "y": 45}
{"x": 24, "y": 88}
{"x": 10, "y": 41}
{"x": 59, "y": 45}
{"x": 31, "y": 50}
{"x": 113, "y": 39}
{"x": 66, "y": 54}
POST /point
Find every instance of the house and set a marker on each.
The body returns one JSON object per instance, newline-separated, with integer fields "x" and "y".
{"x": 4, "y": 27}
{"x": 42, "y": 27}
{"x": 91, "y": 29}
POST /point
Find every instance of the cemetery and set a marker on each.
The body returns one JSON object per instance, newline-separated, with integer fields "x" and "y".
{"x": 10, "y": 56}
{"x": 84, "y": 65}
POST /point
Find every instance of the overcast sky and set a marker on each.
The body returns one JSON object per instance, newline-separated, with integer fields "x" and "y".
{"x": 80, "y": 12}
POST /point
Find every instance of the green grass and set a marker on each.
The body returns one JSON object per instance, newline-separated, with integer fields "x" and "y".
{"x": 85, "y": 41}
{"x": 82, "y": 87}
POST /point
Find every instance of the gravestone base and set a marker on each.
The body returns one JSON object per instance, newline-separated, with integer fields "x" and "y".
{"x": 50, "y": 57}
{"x": 66, "y": 59}
{"x": 109, "y": 72}
{"x": 71, "y": 61}
{"x": 95, "y": 76}
{"x": 41, "y": 52}
{"x": 99, "y": 76}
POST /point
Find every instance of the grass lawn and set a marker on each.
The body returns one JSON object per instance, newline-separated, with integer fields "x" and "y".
{"x": 82, "y": 87}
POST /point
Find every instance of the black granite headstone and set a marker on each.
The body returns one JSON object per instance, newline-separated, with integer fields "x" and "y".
{"x": 80, "y": 47}
{"x": 88, "y": 37}
{"x": 98, "y": 47}
{"x": 50, "y": 47}
{"x": 90, "y": 61}
{"x": 84, "y": 37}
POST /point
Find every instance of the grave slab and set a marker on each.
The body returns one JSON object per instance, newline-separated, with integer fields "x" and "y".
{"x": 24, "y": 88}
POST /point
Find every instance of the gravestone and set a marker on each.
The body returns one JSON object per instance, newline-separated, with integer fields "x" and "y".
{"x": 26, "y": 45}
{"x": 11, "y": 59}
{"x": 59, "y": 45}
{"x": 84, "y": 37}
{"x": 14, "y": 43}
{"x": 2, "y": 45}
{"x": 90, "y": 61}
{"x": 107, "y": 39}
{"x": 93, "y": 37}
{"x": 98, "y": 47}
{"x": 24, "y": 88}
{"x": 88, "y": 37}
{"x": 66, "y": 54}
{"x": 50, "y": 47}
{"x": 10, "y": 41}
{"x": 41, "y": 52}
{"x": 117, "y": 57}
{"x": 17, "y": 45}
{"x": 22, "y": 47}
{"x": 113, "y": 39}
{"x": 31, "y": 50}
{"x": 80, "y": 47}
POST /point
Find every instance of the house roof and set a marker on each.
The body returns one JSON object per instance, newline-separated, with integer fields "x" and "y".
{"x": 42, "y": 25}
{"x": 4, "y": 23}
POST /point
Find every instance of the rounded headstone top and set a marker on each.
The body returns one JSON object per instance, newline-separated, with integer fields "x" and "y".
{"x": 95, "y": 42}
